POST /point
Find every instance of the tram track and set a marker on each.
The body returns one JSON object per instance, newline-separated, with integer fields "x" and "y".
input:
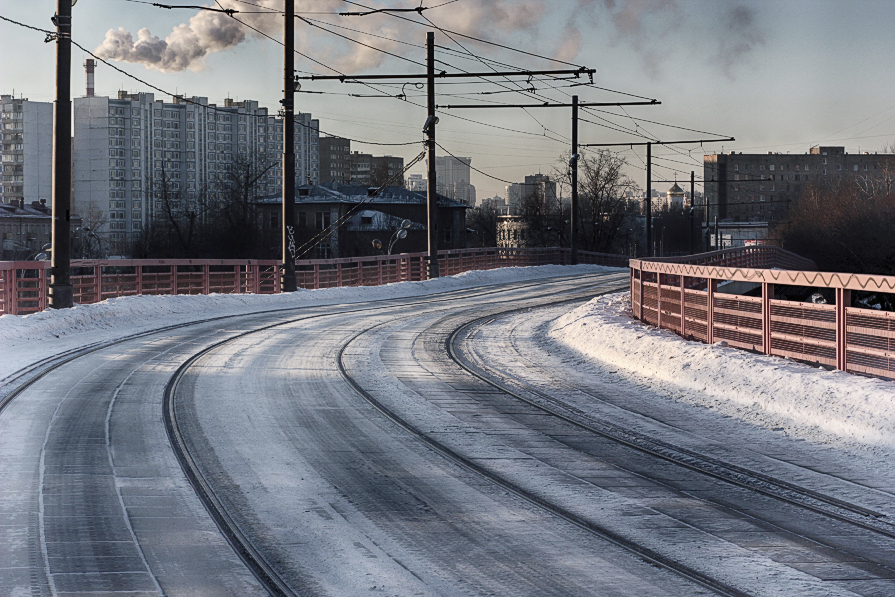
{"x": 255, "y": 560}
{"x": 15, "y": 383}
{"x": 647, "y": 554}
{"x": 740, "y": 476}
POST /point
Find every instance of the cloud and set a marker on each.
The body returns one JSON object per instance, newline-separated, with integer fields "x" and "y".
{"x": 187, "y": 46}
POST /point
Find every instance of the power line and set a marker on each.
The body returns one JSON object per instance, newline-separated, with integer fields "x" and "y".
{"x": 471, "y": 166}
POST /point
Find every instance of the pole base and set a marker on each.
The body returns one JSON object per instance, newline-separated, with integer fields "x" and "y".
{"x": 288, "y": 283}
{"x": 61, "y": 296}
{"x": 431, "y": 268}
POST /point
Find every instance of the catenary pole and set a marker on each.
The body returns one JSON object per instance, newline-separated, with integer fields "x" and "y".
{"x": 61, "y": 295}
{"x": 431, "y": 194}
{"x": 573, "y": 163}
{"x": 288, "y": 280}
{"x": 649, "y": 200}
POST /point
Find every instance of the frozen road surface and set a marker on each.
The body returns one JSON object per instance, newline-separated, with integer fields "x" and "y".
{"x": 464, "y": 436}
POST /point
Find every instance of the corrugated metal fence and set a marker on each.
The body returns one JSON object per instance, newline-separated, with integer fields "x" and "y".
{"x": 23, "y": 284}
{"x": 684, "y": 296}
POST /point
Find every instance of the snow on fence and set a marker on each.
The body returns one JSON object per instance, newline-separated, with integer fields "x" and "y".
{"x": 23, "y": 284}
{"x": 687, "y": 297}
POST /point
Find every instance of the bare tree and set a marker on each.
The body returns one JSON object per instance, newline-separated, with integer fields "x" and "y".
{"x": 602, "y": 194}
{"x": 483, "y": 221}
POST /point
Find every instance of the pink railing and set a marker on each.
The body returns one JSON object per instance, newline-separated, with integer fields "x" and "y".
{"x": 688, "y": 298}
{"x": 23, "y": 284}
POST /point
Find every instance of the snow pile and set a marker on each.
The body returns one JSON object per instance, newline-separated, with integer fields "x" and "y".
{"x": 40, "y": 335}
{"x": 769, "y": 391}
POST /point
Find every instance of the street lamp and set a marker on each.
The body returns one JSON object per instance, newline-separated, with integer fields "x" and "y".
{"x": 397, "y": 235}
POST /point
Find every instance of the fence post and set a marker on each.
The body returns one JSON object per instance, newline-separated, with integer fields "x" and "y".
{"x": 640, "y": 271}
{"x": 13, "y": 291}
{"x": 98, "y": 283}
{"x": 206, "y": 279}
{"x": 767, "y": 293}
{"x": 139, "y": 281}
{"x": 710, "y": 310}
{"x": 843, "y": 302}
{"x": 659, "y": 300}
{"x": 683, "y": 315}
{"x": 339, "y": 274}
{"x": 316, "y": 276}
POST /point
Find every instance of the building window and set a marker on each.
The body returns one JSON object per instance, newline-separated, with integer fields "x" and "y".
{"x": 448, "y": 234}
{"x": 274, "y": 220}
{"x": 322, "y": 220}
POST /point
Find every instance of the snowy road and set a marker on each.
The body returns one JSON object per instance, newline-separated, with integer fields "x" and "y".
{"x": 420, "y": 445}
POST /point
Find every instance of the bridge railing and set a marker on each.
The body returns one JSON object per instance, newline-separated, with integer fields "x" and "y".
{"x": 23, "y": 284}
{"x": 689, "y": 298}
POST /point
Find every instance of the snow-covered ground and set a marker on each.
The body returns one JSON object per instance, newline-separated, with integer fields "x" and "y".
{"x": 24, "y": 340}
{"x": 771, "y": 392}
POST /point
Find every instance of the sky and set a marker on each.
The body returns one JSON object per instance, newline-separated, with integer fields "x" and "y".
{"x": 777, "y": 76}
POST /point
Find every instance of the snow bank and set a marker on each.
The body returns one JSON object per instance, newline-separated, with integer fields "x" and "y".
{"x": 28, "y": 338}
{"x": 769, "y": 391}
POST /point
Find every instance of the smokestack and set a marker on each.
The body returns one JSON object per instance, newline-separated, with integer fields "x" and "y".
{"x": 91, "y": 63}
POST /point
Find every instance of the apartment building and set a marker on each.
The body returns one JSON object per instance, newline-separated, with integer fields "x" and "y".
{"x": 26, "y": 153}
{"x": 760, "y": 187}
{"x": 335, "y": 159}
{"x": 372, "y": 170}
{"x": 130, "y": 150}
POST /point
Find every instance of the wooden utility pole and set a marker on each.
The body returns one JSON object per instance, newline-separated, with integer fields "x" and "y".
{"x": 288, "y": 281}
{"x": 431, "y": 188}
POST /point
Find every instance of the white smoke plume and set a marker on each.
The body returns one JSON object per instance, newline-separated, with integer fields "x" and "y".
{"x": 208, "y": 32}
{"x": 725, "y": 32}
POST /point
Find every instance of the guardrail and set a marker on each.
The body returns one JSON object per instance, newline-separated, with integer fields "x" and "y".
{"x": 23, "y": 284}
{"x": 688, "y": 298}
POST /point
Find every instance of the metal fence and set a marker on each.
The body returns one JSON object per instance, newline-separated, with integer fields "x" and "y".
{"x": 688, "y": 297}
{"x": 23, "y": 284}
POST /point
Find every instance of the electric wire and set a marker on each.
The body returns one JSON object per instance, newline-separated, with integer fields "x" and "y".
{"x": 329, "y": 230}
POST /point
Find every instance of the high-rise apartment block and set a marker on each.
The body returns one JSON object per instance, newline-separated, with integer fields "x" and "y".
{"x": 129, "y": 150}
{"x": 26, "y": 153}
{"x": 759, "y": 187}
{"x": 335, "y": 160}
{"x": 452, "y": 178}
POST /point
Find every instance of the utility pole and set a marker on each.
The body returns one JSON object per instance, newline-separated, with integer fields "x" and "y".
{"x": 429, "y": 129}
{"x": 61, "y": 294}
{"x": 288, "y": 281}
{"x": 431, "y": 120}
{"x": 573, "y": 163}
{"x": 649, "y": 182}
{"x": 692, "y": 205}
{"x": 649, "y": 200}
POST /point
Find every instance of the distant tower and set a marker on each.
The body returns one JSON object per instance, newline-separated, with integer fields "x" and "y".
{"x": 91, "y": 89}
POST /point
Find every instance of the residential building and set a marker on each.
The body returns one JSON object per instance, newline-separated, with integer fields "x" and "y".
{"x": 497, "y": 203}
{"x": 26, "y": 153}
{"x": 512, "y": 231}
{"x": 363, "y": 218}
{"x": 759, "y": 187}
{"x": 535, "y": 184}
{"x": 368, "y": 170}
{"x": 335, "y": 159}
{"x": 417, "y": 183}
{"x": 452, "y": 178}
{"x": 25, "y": 228}
{"x": 131, "y": 151}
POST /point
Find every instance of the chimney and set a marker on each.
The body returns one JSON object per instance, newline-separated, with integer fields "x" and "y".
{"x": 91, "y": 63}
